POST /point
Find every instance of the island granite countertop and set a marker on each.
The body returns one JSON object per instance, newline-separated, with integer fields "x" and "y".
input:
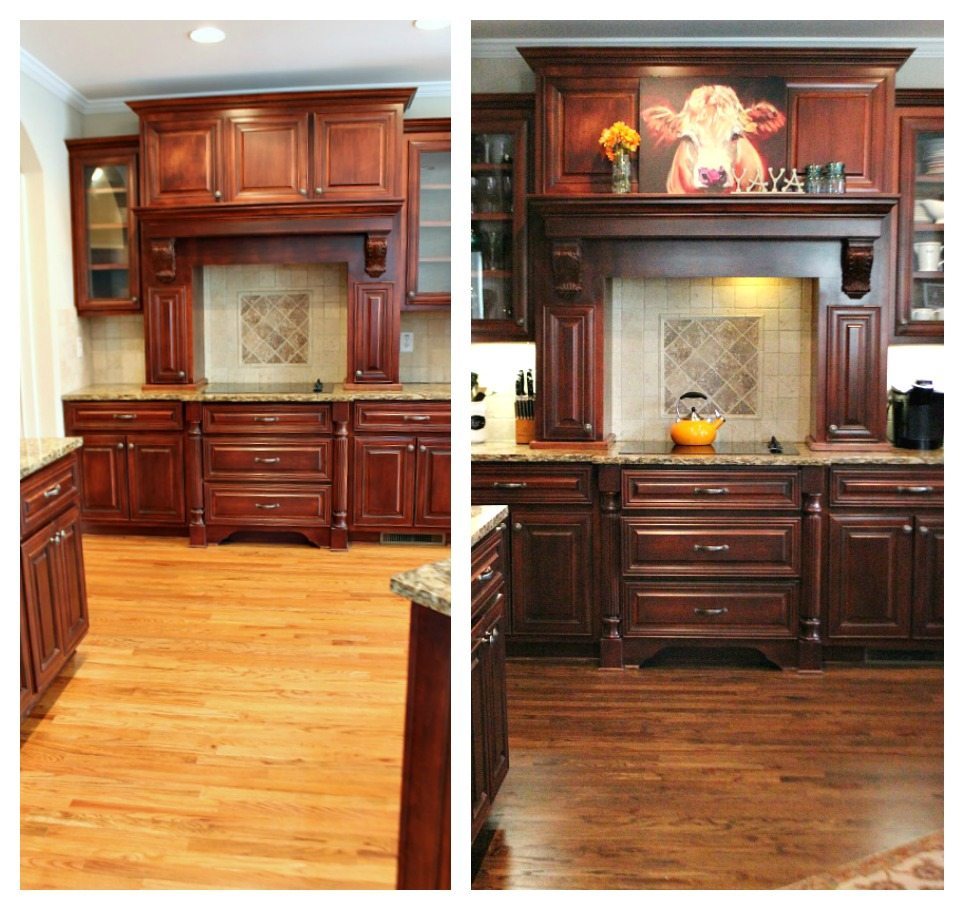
{"x": 251, "y": 392}
{"x": 484, "y": 519}
{"x": 429, "y": 585}
{"x": 39, "y": 451}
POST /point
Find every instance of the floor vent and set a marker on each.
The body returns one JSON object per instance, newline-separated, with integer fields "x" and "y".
{"x": 412, "y": 538}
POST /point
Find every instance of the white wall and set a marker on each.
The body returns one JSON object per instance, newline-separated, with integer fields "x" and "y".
{"x": 50, "y": 326}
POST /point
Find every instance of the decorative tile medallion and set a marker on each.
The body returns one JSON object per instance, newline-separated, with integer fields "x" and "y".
{"x": 716, "y": 355}
{"x": 275, "y": 327}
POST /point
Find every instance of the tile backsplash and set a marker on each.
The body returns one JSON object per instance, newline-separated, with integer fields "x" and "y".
{"x": 116, "y": 348}
{"x": 744, "y": 342}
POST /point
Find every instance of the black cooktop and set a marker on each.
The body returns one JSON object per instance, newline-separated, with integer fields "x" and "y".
{"x": 720, "y": 447}
{"x": 268, "y": 388}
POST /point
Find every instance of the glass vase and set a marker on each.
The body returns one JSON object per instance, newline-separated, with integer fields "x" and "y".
{"x": 622, "y": 179}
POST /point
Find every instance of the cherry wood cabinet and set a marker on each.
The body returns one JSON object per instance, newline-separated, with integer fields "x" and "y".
{"x": 103, "y": 195}
{"x": 384, "y": 489}
{"x": 183, "y": 157}
{"x": 169, "y": 339}
{"x": 53, "y": 606}
{"x": 356, "y": 152}
{"x": 428, "y": 203}
{"x": 919, "y": 144}
{"x": 373, "y": 334}
{"x": 267, "y": 157}
{"x": 501, "y": 179}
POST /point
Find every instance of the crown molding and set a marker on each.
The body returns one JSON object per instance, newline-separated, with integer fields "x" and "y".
{"x": 32, "y": 67}
{"x": 507, "y": 48}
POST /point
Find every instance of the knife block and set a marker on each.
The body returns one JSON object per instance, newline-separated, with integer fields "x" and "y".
{"x": 525, "y": 428}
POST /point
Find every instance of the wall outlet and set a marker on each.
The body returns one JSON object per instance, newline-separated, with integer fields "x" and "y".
{"x": 80, "y": 346}
{"x": 408, "y": 342}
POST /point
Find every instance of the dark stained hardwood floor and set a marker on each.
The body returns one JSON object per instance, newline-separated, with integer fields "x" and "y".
{"x": 711, "y": 778}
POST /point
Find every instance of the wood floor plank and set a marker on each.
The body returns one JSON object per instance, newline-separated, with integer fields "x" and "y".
{"x": 710, "y": 778}
{"x": 234, "y": 719}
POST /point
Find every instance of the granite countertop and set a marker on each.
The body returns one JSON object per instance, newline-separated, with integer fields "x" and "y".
{"x": 485, "y": 518}
{"x": 38, "y": 452}
{"x": 429, "y": 585}
{"x": 509, "y": 452}
{"x": 298, "y": 392}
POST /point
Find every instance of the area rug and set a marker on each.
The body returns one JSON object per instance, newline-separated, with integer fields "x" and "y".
{"x": 917, "y": 866}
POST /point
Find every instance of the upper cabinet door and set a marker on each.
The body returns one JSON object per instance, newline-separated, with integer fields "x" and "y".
{"x": 183, "y": 153}
{"x": 356, "y": 154}
{"x": 428, "y": 267}
{"x": 267, "y": 157}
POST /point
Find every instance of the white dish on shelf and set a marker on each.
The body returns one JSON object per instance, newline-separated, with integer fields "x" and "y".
{"x": 933, "y": 207}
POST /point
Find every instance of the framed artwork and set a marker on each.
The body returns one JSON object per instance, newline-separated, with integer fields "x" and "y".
{"x": 704, "y": 135}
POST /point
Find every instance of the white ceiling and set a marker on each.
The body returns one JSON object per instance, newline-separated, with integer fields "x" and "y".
{"x": 106, "y": 62}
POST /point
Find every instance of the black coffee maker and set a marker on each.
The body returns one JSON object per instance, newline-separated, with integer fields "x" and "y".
{"x": 917, "y": 417}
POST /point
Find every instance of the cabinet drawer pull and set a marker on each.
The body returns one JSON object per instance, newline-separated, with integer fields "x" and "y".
{"x": 267, "y": 505}
{"x": 258, "y": 418}
{"x": 259, "y": 460}
{"x": 52, "y": 492}
{"x": 711, "y": 547}
{"x": 710, "y": 491}
{"x": 509, "y": 485}
{"x": 915, "y": 489}
{"x": 493, "y": 634}
{"x": 125, "y": 417}
{"x": 709, "y": 611}
{"x": 420, "y": 417}
{"x": 486, "y": 574}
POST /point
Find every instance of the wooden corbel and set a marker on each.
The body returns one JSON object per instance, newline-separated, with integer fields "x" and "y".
{"x": 567, "y": 267}
{"x": 162, "y": 259}
{"x": 376, "y": 252}
{"x": 857, "y": 260}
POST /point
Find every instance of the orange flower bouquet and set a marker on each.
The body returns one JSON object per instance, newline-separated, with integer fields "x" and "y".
{"x": 618, "y": 136}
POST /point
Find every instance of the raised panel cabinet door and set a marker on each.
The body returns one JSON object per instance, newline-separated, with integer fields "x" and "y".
{"x": 72, "y": 602}
{"x": 373, "y": 334}
{"x": 168, "y": 336}
{"x": 496, "y": 716}
{"x": 855, "y": 402}
{"x": 156, "y": 471}
{"x": 481, "y": 800}
{"x": 384, "y": 482}
{"x": 433, "y": 483}
{"x": 869, "y": 585}
{"x": 267, "y": 158}
{"x": 929, "y": 578}
{"x": 571, "y": 405}
{"x": 28, "y": 688}
{"x": 356, "y": 154}
{"x": 428, "y": 197}
{"x": 103, "y": 488}
{"x": 40, "y": 563}
{"x": 551, "y": 573}
{"x": 183, "y": 155}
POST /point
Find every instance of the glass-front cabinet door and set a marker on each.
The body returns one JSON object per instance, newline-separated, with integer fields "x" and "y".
{"x": 429, "y": 266}
{"x": 103, "y": 187}
{"x": 920, "y": 306}
{"x": 498, "y": 247}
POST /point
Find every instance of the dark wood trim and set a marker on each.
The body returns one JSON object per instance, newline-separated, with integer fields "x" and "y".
{"x": 919, "y": 97}
{"x": 320, "y": 100}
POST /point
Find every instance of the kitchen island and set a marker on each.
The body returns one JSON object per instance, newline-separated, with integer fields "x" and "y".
{"x": 424, "y": 860}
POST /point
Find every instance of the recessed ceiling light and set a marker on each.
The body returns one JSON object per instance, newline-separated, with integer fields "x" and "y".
{"x": 207, "y": 34}
{"x": 431, "y": 25}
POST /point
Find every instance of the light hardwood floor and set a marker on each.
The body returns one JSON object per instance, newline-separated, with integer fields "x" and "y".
{"x": 711, "y": 778}
{"x": 234, "y": 719}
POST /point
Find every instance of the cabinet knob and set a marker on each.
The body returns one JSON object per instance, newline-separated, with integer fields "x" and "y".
{"x": 587, "y": 427}
{"x": 120, "y": 445}
{"x": 181, "y": 374}
{"x": 135, "y": 299}
{"x": 217, "y": 195}
{"x": 907, "y": 529}
{"x": 517, "y": 527}
{"x": 423, "y": 449}
{"x": 130, "y": 447}
{"x": 410, "y": 448}
{"x": 924, "y": 530}
{"x": 833, "y": 428}
{"x": 303, "y": 190}
{"x": 319, "y": 190}
{"x": 411, "y": 295}
{"x": 520, "y": 321}
{"x": 501, "y": 527}
{"x": 358, "y": 374}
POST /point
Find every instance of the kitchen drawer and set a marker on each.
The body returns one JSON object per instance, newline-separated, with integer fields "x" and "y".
{"x": 259, "y": 419}
{"x": 684, "y": 609}
{"x": 776, "y": 488}
{"x": 732, "y": 546}
{"x": 238, "y": 458}
{"x": 540, "y": 484}
{"x": 489, "y": 569}
{"x": 888, "y": 486}
{"x": 267, "y": 504}
{"x": 416, "y": 417}
{"x": 123, "y": 416}
{"x": 47, "y": 493}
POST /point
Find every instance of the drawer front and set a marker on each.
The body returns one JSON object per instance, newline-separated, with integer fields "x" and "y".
{"x": 123, "y": 416}
{"x": 489, "y": 569}
{"x": 887, "y": 487}
{"x": 732, "y": 489}
{"x": 267, "y": 504}
{"x": 417, "y": 417}
{"x": 542, "y": 485}
{"x": 230, "y": 459}
{"x": 694, "y": 609}
{"x": 725, "y": 546}
{"x": 47, "y": 493}
{"x": 268, "y": 419}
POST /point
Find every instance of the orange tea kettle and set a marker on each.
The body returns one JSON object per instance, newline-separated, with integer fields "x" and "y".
{"x": 692, "y": 429}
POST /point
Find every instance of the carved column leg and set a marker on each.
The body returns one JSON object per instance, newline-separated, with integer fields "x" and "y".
{"x": 339, "y": 485}
{"x": 193, "y": 481}
{"x": 809, "y": 652}
{"x": 611, "y": 644}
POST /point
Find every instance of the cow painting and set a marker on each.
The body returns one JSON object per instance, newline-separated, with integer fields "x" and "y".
{"x": 714, "y": 129}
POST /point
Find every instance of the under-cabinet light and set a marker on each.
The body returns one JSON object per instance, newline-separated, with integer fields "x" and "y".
{"x": 431, "y": 25}
{"x": 207, "y": 34}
